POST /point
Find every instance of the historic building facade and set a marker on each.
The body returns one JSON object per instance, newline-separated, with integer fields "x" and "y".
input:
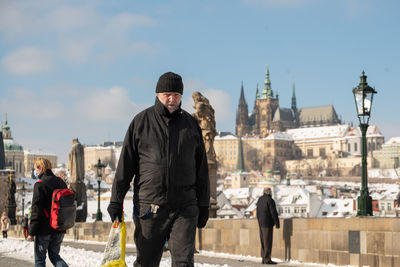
{"x": 108, "y": 153}
{"x": 267, "y": 116}
{"x": 388, "y": 157}
{"x": 14, "y": 152}
{"x": 313, "y": 151}
{"x": 331, "y": 150}
{"x": 19, "y": 160}
{"x": 31, "y": 155}
{"x": 265, "y": 154}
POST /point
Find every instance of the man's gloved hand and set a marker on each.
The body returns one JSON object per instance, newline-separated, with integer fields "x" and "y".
{"x": 115, "y": 211}
{"x": 203, "y": 217}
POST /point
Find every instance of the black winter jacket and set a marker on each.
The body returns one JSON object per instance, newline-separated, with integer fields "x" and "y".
{"x": 165, "y": 153}
{"x": 267, "y": 214}
{"x": 41, "y": 200}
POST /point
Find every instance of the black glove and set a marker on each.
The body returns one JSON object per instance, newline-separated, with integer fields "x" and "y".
{"x": 203, "y": 217}
{"x": 115, "y": 211}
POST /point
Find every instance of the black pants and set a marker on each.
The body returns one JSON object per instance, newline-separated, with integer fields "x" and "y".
{"x": 153, "y": 229}
{"x": 266, "y": 236}
{"x": 4, "y": 234}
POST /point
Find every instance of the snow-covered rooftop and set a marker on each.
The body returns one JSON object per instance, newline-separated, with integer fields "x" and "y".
{"x": 288, "y": 195}
{"x": 319, "y": 132}
{"x": 393, "y": 141}
{"x": 333, "y": 207}
{"x": 279, "y": 136}
{"x": 38, "y": 152}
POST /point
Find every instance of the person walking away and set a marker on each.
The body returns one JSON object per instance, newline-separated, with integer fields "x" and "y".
{"x": 5, "y": 224}
{"x": 164, "y": 154}
{"x": 46, "y": 239}
{"x": 267, "y": 217}
{"x": 25, "y": 225}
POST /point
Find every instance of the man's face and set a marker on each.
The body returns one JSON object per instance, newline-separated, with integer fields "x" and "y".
{"x": 170, "y": 100}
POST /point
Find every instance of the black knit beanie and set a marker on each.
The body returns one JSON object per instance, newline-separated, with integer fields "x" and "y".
{"x": 169, "y": 82}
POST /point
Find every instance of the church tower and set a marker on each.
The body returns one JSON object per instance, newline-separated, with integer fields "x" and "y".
{"x": 265, "y": 107}
{"x": 242, "y": 116}
{"x": 6, "y": 130}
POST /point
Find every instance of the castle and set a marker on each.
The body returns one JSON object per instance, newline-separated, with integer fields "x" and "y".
{"x": 268, "y": 116}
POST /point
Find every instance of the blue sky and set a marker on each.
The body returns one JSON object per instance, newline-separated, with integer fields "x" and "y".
{"x": 85, "y": 68}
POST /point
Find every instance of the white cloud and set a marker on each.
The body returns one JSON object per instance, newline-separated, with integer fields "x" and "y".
{"x": 77, "y": 49}
{"x": 49, "y": 118}
{"x": 219, "y": 100}
{"x": 31, "y": 105}
{"x": 19, "y": 19}
{"x": 27, "y": 61}
{"x": 76, "y": 33}
{"x": 16, "y": 21}
{"x": 124, "y": 22}
{"x": 357, "y": 8}
{"x": 70, "y": 18}
{"x": 111, "y": 104}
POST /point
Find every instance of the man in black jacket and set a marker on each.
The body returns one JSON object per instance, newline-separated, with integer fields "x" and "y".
{"x": 267, "y": 217}
{"x": 164, "y": 153}
{"x": 46, "y": 238}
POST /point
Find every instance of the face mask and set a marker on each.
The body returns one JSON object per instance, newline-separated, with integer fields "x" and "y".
{"x": 35, "y": 174}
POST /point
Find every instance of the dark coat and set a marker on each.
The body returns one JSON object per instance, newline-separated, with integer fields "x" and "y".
{"x": 165, "y": 152}
{"x": 41, "y": 200}
{"x": 267, "y": 215}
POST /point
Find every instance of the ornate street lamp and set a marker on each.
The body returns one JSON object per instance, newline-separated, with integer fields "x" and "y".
{"x": 23, "y": 189}
{"x": 99, "y": 168}
{"x": 363, "y": 96}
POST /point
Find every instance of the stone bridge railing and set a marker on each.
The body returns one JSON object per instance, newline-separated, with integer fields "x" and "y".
{"x": 359, "y": 241}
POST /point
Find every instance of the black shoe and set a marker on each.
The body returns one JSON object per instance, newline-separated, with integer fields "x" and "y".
{"x": 271, "y": 262}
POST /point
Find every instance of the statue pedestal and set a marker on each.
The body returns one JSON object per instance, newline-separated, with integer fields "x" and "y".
{"x": 213, "y": 208}
{"x": 11, "y": 213}
{"x": 212, "y": 173}
{"x": 81, "y": 198}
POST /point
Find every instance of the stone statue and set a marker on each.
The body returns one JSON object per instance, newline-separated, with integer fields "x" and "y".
{"x": 76, "y": 163}
{"x": 76, "y": 166}
{"x": 205, "y": 115}
{"x": 206, "y": 118}
{"x": 11, "y": 204}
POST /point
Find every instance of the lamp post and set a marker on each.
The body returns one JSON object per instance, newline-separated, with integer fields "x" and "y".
{"x": 23, "y": 189}
{"x": 363, "y": 96}
{"x": 99, "y": 168}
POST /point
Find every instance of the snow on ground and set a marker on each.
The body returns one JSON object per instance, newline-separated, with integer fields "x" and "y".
{"x": 21, "y": 249}
{"x": 78, "y": 257}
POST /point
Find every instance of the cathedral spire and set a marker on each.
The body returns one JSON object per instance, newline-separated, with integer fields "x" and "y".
{"x": 242, "y": 115}
{"x": 242, "y": 94}
{"x": 267, "y": 92}
{"x": 6, "y": 131}
{"x": 294, "y": 104}
{"x": 257, "y": 92}
{"x": 257, "y": 96}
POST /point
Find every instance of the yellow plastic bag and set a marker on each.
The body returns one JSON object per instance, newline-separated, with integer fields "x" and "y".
{"x": 114, "y": 253}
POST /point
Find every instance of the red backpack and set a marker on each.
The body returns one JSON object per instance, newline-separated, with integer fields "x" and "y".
{"x": 63, "y": 209}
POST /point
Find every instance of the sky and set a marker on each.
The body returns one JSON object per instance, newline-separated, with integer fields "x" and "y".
{"x": 84, "y": 68}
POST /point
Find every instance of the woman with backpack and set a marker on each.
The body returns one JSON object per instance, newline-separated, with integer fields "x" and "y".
{"x": 46, "y": 239}
{"x": 5, "y": 223}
